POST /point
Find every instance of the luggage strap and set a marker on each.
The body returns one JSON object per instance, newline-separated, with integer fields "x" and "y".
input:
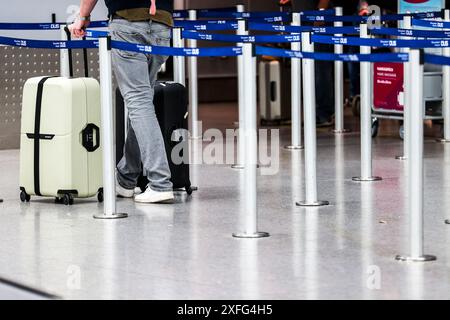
{"x": 37, "y": 135}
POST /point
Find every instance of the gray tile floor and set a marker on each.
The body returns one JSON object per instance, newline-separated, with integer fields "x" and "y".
{"x": 185, "y": 251}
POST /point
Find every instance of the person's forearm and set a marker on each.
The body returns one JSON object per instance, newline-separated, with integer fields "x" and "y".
{"x": 324, "y": 4}
{"x": 86, "y": 7}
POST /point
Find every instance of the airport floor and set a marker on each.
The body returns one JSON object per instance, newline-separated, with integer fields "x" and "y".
{"x": 186, "y": 251}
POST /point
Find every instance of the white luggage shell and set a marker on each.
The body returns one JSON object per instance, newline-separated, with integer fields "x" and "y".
{"x": 274, "y": 92}
{"x": 60, "y": 153}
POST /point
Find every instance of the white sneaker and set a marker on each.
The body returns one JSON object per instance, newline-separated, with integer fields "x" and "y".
{"x": 121, "y": 192}
{"x": 151, "y": 196}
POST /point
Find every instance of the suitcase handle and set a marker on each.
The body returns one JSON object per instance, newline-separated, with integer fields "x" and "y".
{"x": 273, "y": 91}
{"x": 88, "y": 135}
{"x": 85, "y": 55}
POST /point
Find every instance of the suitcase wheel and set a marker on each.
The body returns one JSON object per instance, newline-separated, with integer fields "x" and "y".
{"x": 100, "y": 196}
{"x": 375, "y": 127}
{"x": 189, "y": 190}
{"x": 67, "y": 199}
{"x": 24, "y": 197}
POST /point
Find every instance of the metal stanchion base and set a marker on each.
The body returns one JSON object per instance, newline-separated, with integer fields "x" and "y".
{"x": 402, "y": 158}
{"x": 293, "y": 148}
{"x": 240, "y": 166}
{"x": 256, "y": 235}
{"x": 442, "y": 140}
{"x": 447, "y": 221}
{"x": 425, "y": 258}
{"x": 314, "y": 204}
{"x": 370, "y": 179}
{"x": 111, "y": 217}
{"x": 341, "y": 131}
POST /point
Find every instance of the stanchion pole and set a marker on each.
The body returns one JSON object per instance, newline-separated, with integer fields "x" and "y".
{"x": 179, "y": 62}
{"x": 107, "y": 133}
{"x": 249, "y": 218}
{"x": 366, "y": 115}
{"x": 64, "y": 60}
{"x": 193, "y": 84}
{"x": 296, "y": 101}
{"x": 446, "y": 91}
{"x": 415, "y": 163}
{"x": 407, "y": 24}
{"x": 339, "y": 82}
{"x": 242, "y": 30}
{"x": 309, "y": 107}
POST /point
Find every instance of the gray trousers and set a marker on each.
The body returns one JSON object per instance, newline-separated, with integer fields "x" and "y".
{"x": 136, "y": 75}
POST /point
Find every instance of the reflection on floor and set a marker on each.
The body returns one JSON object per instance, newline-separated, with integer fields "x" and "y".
{"x": 185, "y": 251}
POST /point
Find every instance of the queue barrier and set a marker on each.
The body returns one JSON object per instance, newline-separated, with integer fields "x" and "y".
{"x": 410, "y": 33}
{"x": 381, "y": 43}
{"x": 249, "y": 52}
{"x": 377, "y": 57}
{"x": 229, "y": 19}
{"x": 430, "y": 24}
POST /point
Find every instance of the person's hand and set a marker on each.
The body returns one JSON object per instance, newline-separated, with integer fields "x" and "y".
{"x": 363, "y": 8}
{"x": 153, "y": 7}
{"x": 285, "y": 2}
{"x": 78, "y": 28}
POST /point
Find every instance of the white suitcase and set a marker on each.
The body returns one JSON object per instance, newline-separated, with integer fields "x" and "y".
{"x": 274, "y": 92}
{"x": 60, "y": 152}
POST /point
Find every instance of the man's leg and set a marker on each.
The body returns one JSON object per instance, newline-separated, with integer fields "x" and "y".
{"x": 130, "y": 166}
{"x": 324, "y": 87}
{"x": 131, "y": 70}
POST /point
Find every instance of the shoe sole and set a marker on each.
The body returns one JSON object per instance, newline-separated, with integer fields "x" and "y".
{"x": 124, "y": 197}
{"x": 162, "y": 201}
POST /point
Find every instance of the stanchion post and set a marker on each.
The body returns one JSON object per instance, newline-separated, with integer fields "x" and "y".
{"x": 415, "y": 163}
{"x": 309, "y": 107}
{"x": 64, "y": 60}
{"x": 107, "y": 133}
{"x": 366, "y": 115}
{"x": 179, "y": 62}
{"x": 296, "y": 98}
{"x": 242, "y": 30}
{"x": 339, "y": 82}
{"x": 446, "y": 90}
{"x": 193, "y": 84}
{"x": 407, "y": 24}
{"x": 249, "y": 218}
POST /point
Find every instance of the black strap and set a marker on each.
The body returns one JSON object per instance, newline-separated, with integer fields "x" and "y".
{"x": 37, "y": 141}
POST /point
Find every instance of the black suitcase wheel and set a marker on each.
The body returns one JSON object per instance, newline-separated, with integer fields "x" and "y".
{"x": 375, "y": 127}
{"x": 100, "y": 197}
{"x": 67, "y": 199}
{"x": 189, "y": 190}
{"x": 401, "y": 132}
{"x": 24, "y": 197}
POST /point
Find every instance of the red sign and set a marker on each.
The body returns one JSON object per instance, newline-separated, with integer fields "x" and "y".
{"x": 388, "y": 86}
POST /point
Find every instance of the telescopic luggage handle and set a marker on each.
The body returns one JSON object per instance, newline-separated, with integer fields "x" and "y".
{"x": 85, "y": 55}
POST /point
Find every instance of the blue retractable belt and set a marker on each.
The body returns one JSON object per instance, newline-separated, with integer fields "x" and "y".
{"x": 238, "y": 38}
{"x": 439, "y": 60}
{"x": 431, "y": 24}
{"x": 187, "y": 52}
{"x": 379, "y": 57}
{"x": 380, "y": 43}
{"x": 43, "y": 44}
{"x": 411, "y": 33}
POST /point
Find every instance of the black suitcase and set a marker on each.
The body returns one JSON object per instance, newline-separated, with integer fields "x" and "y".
{"x": 171, "y": 105}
